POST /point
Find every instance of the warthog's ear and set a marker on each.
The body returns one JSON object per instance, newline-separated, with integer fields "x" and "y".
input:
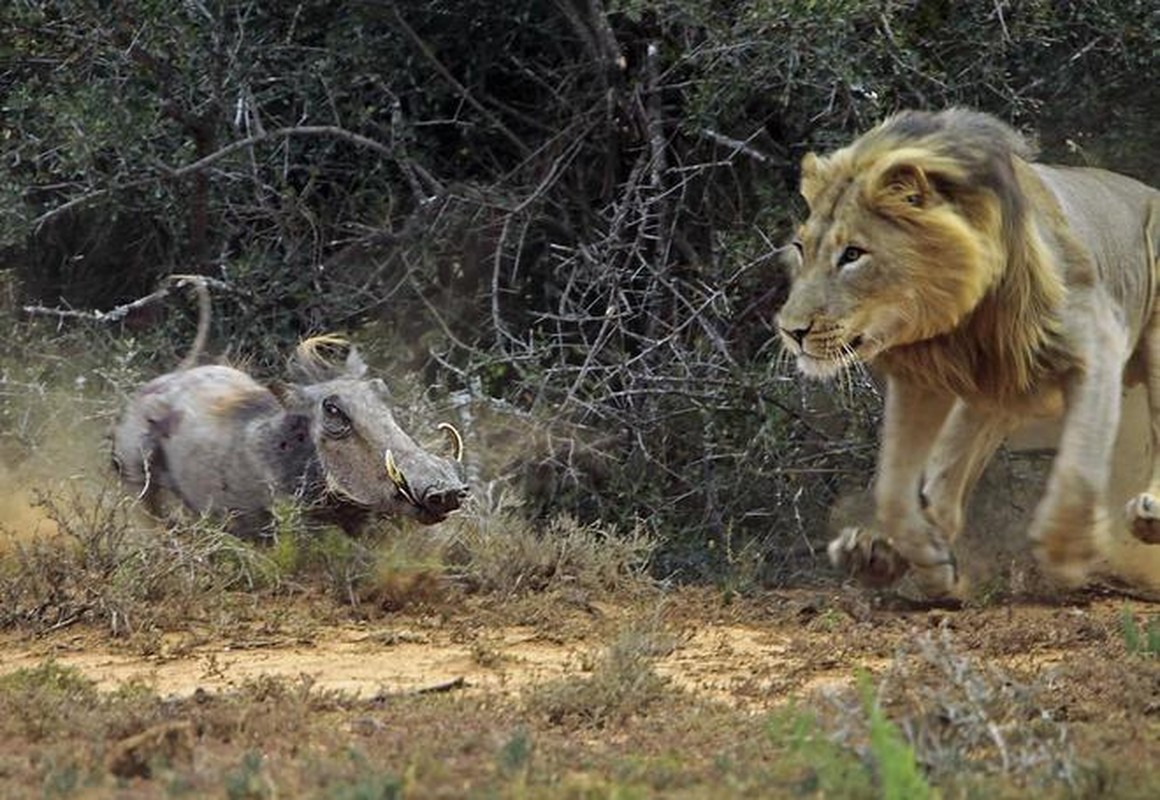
{"x": 355, "y": 366}
{"x": 289, "y": 395}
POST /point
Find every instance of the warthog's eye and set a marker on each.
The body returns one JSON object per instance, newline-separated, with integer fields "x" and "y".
{"x": 334, "y": 420}
{"x": 850, "y": 255}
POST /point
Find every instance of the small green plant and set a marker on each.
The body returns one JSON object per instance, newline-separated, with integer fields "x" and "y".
{"x": 516, "y": 754}
{"x": 816, "y": 765}
{"x": 899, "y": 776}
{"x": 368, "y": 787}
{"x": 248, "y": 782}
{"x": 38, "y": 702}
{"x": 1140, "y": 640}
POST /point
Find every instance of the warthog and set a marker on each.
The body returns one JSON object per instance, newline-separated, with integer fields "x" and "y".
{"x": 227, "y": 445}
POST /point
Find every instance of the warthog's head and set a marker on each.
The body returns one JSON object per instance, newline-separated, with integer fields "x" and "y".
{"x": 365, "y": 457}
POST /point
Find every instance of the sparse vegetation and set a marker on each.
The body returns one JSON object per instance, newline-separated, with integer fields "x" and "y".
{"x": 1140, "y": 639}
{"x": 615, "y": 725}
{"x": 622, "y": 684}
{"x": 500, "y": 551}
{"x": 895, "y": 765}
{"x": 962, "y": 721}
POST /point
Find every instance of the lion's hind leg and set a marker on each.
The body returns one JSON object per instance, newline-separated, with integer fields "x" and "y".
{"x": 1071, "y": 525}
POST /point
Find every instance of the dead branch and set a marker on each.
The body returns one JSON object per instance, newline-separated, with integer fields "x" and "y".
{"x": 429, "y": 54}
{"x": 737, "y": 145}
{"x": 281, "y": 133}
{"x": 201, "y": 164}
{"x": 120, "y": 312}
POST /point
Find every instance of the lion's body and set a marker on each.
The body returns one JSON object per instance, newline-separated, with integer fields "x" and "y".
{"x": 988, "y": 288}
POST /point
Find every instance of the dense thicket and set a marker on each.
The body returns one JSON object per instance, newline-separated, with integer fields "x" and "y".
{"x": 569, "y": 206}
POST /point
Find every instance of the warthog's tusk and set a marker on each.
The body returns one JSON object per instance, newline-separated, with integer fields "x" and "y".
{"x": 456, "y": 439}
{"x": 397, "y": 478}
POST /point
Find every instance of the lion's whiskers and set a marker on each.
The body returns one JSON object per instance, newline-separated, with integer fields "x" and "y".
{"x": 783, "y": 363}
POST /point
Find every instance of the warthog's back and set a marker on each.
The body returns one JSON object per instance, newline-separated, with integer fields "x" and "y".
{"x": 187, "y": 431}
{"x": 225, "y": 444}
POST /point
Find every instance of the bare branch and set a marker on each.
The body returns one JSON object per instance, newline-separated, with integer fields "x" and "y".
{"x": 120, "y": 312}
{"x": 281, "y": 133}
{"x": 738, "y": 145}
{"x": 332, "y": 131}
{"x": 429, "y": 54}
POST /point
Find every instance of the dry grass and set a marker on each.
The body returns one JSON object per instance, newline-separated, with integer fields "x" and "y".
{"x": 622, "y": 683}
{"x": 498, "y": 550}
{"x": 963, "y": 719}
{"x": 100, "y": 564}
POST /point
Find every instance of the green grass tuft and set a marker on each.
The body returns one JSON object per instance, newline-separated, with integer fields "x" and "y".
{"x": 899, "y": 776}
{"x": 1140, "y": 640}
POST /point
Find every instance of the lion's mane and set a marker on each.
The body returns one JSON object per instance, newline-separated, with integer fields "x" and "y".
{"x": 1006, "y": 239}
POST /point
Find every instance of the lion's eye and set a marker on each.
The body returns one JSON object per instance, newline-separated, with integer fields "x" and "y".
{"x": 334, "y": 419}
{"x": 850, "y": 255}
{"x": 797, "y": 245}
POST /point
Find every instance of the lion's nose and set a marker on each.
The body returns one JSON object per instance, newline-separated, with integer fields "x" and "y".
{"x": 797, "y": 334}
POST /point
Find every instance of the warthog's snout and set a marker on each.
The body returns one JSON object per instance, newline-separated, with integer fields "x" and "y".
{"x": 443, "y": 501}
{"x": 431, "y": 484}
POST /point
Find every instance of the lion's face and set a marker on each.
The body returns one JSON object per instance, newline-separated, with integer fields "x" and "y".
{"x": 886, "y": 258}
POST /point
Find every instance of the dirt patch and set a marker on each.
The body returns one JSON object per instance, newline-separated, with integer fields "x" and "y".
{"x": 491, "y": 699}
{"x": 760, "y": 654}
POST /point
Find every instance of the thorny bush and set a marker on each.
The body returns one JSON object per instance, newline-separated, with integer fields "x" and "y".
{"x": 565, "y": 212}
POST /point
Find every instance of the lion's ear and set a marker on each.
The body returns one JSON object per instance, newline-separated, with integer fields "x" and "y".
{"x": 904, "y": 184}
{"x": 810, "y": 181}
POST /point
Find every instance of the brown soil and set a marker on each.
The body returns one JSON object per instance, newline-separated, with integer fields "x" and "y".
{"x": 754, "y": 653}
{"x": 437, "y": 698}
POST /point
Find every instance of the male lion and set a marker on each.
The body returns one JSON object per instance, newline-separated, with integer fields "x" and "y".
{"x": 988, "y": 289}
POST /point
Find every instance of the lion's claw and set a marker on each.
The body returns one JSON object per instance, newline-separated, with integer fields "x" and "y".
{"x": 867, "y": 557}
{"x": 1143, "y": 512}
{"x": 875, "y": 562}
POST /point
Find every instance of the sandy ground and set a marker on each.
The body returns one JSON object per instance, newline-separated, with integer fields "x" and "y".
{"x": 754, "y": 654}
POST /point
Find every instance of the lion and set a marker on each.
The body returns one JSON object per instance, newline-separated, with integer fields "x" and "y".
{"x": 987, "y": 289}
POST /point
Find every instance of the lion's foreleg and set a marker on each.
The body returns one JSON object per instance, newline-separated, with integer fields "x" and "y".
{"x": 1071, "y": 521}
{"x": 967, "y": 441}
{"x": 1143, "y": 510}
{"x": 903, "y": 537}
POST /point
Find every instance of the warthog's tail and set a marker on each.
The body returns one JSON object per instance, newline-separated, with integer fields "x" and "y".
{"x": 203, "y": 314}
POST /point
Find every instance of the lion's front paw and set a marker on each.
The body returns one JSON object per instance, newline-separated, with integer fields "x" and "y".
{"x": 1068, "y": 552}
{"x": 866, "y": 556}
{"x": 1143, "y": 512}
{"x": 940, "y": 580}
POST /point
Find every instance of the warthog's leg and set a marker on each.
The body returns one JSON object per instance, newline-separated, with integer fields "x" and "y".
{"x": 904, "y": 537}
{"x": 1143, "y": 510}
{"x": 1072, "y": 520}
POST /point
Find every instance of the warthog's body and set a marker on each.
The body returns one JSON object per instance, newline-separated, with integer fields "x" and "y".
{"x": 225, "y": 444}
